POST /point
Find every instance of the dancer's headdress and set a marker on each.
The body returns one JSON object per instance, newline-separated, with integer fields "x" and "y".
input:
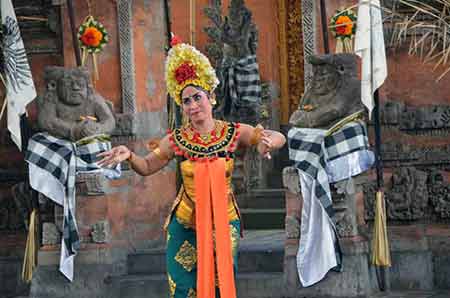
{"x": 185, "y": 65}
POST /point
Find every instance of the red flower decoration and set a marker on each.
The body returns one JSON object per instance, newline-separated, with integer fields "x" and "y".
{"x": 185, "y": 72}
{"x": 92, "y": 37}
{"x": 175, "y": 40}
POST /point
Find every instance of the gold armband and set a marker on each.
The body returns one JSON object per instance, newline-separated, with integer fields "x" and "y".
{"x": 159, "y": 154}
{"x": 257, "y": 134}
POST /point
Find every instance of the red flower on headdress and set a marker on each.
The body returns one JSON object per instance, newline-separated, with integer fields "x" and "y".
{"x": 185, "y": 72}
{"x": 175, "y": 40}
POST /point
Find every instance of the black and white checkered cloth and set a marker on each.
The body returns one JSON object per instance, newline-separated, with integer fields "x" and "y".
{"x": 244, "y": 82}
{"x": 321, "y": 159}
{"x": 311, "y": 150}
{"x": 53, "y": 165}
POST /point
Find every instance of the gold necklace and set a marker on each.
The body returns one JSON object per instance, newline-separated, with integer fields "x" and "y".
{"x": 205, "y": 137}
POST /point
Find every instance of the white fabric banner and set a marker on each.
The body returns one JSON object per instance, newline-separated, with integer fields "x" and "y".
{"x": 369, "y": 45}
{"x": 19, "y": 83}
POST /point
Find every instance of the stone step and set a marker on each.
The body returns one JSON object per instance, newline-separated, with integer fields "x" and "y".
{"x": 271, "y": 198}
{"x": 249, "y": 285}
{"x": 412, "y": 294}
{"x": 250, "y": 260}
{"x": 263, "y": 219}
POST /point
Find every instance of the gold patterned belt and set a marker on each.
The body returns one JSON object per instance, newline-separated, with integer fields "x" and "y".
{"x": 185, "y": 211}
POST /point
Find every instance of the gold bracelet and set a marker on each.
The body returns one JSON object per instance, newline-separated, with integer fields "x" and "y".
{"x": 256, "y": 136}
{"x": 130, "y": 157}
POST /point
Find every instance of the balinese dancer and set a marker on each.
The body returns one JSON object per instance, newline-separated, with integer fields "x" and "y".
{"x": 203, "y": 228}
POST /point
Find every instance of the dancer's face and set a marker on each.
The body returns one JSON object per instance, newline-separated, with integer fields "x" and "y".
{"x": 196, "y": 104}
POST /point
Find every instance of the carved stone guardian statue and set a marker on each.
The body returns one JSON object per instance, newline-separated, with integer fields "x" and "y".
{"x": 328, "y": 146}
{"x": 70, "y": 108}
{"x": 334, "y": 93}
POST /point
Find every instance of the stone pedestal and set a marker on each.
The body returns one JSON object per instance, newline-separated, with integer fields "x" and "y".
{"x": 356, "y": 280}
{"x": 95, "y": 266}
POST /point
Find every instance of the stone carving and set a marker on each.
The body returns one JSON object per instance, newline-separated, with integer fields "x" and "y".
{"x": 369, "y": 191}
{"x": 292, "y": 227}
{"x": 345, "y": 224}
{"x": 409, "y": 155}
{"x": 439, "y": 192}
{"x": 334, "y": 93}
{"x": 415, "y": 119}
{"x": 50, "y": 234}
{"x": 70, "y": 107}
{"x": 343, "y": 196}
{"x": 126, "y": 125}
{"x": 295, "y": 49}
{"x": 233, "y": 37}
{"x": 290, "y": 180}
{"x": 406, "y": 198}
{"x": 91, "y": 184}
{"x": 309, "y": 36}
{"x": 100, "y": 232}
{"x": 127, "y": 67}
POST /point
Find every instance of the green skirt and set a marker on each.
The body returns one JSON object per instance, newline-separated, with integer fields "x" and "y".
{"x": 182, "y": 257}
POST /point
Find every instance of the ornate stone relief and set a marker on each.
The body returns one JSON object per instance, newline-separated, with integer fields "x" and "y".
{"x": 394, "y": 153}
{"x": 408, "y": 195}
{"x": 233, "y": 37}
{"x": 416, "y": 120}
{"x": 295, "y": 48}
{"x": 128, "y": 76}
{"x": 343, "y": 196}
{"x": 439, "y": 192}
{"x": 309, "y": 35}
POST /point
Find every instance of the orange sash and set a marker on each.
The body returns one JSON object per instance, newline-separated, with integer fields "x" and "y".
{"x": 211, "y": 211}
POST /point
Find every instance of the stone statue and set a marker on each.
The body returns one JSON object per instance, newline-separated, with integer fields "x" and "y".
{"x": 234, "y": 37}
{"x": 70, "y": 108}
{"x": 334, "y": 93}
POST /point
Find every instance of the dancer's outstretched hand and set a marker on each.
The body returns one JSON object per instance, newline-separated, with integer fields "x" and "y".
{"x": 114, "y": 156}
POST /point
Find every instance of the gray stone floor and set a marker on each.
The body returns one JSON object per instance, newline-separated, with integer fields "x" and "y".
{"x": 414, "y": 294}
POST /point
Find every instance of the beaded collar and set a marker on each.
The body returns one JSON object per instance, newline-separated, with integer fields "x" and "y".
{"x": 220, "y": 142}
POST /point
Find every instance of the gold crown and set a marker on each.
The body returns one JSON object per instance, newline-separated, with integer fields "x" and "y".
{"x": 185, "y": 65}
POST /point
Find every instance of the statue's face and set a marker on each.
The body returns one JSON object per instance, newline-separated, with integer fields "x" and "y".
{"x": 72, "y": 90}
{"x": 325, "y": 79}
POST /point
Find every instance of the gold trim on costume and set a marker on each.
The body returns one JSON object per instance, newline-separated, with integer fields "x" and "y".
{"x": 187, "y": 256}
{"x": 234, "y": 239}
{"x": 192, "y": 293}
{"x": 172, "y": 286}
{"x": 193, "y": 145}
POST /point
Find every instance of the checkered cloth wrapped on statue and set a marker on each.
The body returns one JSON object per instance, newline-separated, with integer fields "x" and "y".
{"x": 53, "y": 165}
{"x": 322, "y": 159}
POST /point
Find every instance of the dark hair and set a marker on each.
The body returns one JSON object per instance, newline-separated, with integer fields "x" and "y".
{"x": 196, "y": 87}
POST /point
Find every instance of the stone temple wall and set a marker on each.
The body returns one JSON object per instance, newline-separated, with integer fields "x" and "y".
{"x": 415, "y": 121}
